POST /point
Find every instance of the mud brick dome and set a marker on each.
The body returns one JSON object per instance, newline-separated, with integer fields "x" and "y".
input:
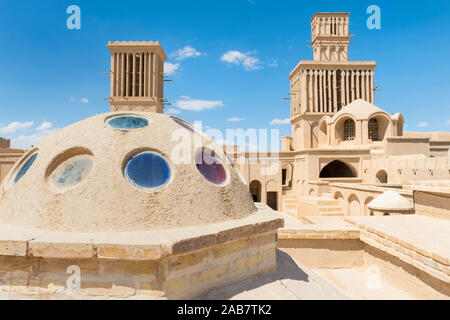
{"x": 123, "y": 171}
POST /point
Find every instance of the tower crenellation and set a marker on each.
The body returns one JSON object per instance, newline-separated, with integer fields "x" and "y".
{"x": 330, "y": 37}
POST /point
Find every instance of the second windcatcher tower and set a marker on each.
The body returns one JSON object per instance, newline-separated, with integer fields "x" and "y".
{"x": 137, "y": 76}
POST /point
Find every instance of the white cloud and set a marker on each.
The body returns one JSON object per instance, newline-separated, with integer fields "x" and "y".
{"x": 26, "y": 141}
{"x": 184, "y": 53}
{"x": 170, "y": 68}
{"x": 44, "y": 126}
{"x": 173, "y": 111}
{"x": 16, "y": 126}
{"x": 248, "y": 61}
{"x": 447, "y": 123}
{"x": 23, "y": 135}
{"x": 235, "y": 119}
{"x": 422, "y": 125}
{"x": 280, "y": 121}
{"x": 85, "y": 100}
{"x": 197, "y": 105}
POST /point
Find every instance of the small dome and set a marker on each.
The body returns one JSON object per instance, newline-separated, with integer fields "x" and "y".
{"x": 390, "y": 201}
{"x": 360, "y": 110}
{"x": 123, "y": 171}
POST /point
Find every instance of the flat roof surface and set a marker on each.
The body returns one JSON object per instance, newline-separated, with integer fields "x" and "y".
{"x": 292, "y": 281}
{"x": 426, "y": 235}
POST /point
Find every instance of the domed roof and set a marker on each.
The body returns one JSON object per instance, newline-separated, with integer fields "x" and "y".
{"x": 390, "y": 201}
{"x": 123, "y": 172}
{"x": 359, "y": 109}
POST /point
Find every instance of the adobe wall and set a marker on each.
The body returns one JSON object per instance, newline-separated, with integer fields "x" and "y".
{"x": 175, "y": 264}
{"x": 404, "y": 169}
{"x": 8, "y": 158}
{"x": 355, "y": 197}
{"x": 432, "y": 203}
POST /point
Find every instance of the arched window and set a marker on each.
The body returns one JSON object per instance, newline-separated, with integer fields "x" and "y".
{"x": 382, "y": 176}
{"x": 255, "y": 190}
{"x": 349, "y": 130}
{"x": 373, "y": 130}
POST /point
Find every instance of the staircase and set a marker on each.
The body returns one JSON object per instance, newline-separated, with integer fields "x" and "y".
{"x": 330, "y": 207}
{"x": 289, "y": 203}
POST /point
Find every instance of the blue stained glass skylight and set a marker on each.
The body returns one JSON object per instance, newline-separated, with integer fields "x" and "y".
{"x": 71, "y": 172}
{"x": 183, "y": 124}
{"x": 147, "y": 170}
{"x": 127, "y": 122}
{"x": 210, "y": 167}
{"x": 25, "y": 167}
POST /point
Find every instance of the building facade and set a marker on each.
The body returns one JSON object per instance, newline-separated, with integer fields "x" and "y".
{"x": 344, "y": 150}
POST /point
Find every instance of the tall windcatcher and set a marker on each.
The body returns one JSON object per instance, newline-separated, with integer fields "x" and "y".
{"x": 137, "y": 76}
{"x": 330, "y": 81}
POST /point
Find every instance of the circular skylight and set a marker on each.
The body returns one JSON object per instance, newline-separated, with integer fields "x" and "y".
{"x": 147, "y": 170}
{"x": 24, "y": 168}
{"x": 127, "y": 122}
{"x": 71, "y": 172}
{"x": 210, "y": 166}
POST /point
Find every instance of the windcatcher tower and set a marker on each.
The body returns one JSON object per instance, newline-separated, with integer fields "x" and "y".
{"x": 137, "y": 76}
{"x": 329, "y": 82}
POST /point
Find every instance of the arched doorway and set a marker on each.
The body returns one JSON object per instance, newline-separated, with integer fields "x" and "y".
{"x": 337, "y": 169}
{"x": 354, "y": 208}
{"x": 382, "y": 176}
{"x": 338, "y": 196}
{"x": 367, "y": 211}
{"x": 255, "y": 190}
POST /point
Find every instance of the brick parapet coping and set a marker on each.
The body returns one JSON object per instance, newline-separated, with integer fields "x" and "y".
{"x": 138, "y": 245}
{"x": 432, "y": 263}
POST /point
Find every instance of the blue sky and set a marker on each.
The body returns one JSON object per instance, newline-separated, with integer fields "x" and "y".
{"x": 233, "y": 57}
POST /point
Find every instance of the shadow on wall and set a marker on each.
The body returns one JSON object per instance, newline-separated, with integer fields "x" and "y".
{"x": 287, "y": 269}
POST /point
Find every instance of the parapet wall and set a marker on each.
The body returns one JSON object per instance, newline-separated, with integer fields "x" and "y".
{"x": 401, "y": 170}
{"x": 180, "y": 264}
{"x": 432, "y": 198}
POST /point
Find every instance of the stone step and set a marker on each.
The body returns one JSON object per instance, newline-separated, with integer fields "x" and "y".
{"x": 328, "y": 203}
{"x": 332, "y": 214}
{"x": 330, "y": 209}
{"x": 291, "y": 212}
{"x": 291, "y": 201}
